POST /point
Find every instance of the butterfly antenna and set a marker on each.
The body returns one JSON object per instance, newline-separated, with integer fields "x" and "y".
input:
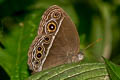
{"x": 92, "y": 44}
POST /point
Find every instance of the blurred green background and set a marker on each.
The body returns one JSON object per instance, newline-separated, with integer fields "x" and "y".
{"x": 19, "y": 21}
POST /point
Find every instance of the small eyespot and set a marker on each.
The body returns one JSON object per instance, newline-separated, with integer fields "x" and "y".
{"x": 39, "y": 52}
{"x": 51, "y": 27}
{"x": 36, "y": 62}
{"x": 39, "y": 55}
{"x": 56, "y": 14}
{"x": 47, "y": 38}
{"x": 40, "y": 48}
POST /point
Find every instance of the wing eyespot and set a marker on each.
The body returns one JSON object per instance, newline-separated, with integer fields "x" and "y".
{"x": 39, "y": 55}
{"x": 39, "y": 52}
{"x": 39, "y": 48}
{"x": 47, "y": 39}
{"x": 56, "y": 14}
{"x": 51, "y": 27}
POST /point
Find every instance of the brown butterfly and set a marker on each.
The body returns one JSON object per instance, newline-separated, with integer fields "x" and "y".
{"x": 57, "y": 41}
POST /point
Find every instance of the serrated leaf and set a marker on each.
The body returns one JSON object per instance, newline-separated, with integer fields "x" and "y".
{"x": 74, "y": 71}
{"x": 113, "y": 69}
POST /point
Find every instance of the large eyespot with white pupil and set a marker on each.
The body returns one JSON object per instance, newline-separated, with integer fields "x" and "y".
{"x": 51, "y": 27}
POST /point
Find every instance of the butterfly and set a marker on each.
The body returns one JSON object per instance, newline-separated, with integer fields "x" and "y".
{"x": 56, "y": 43}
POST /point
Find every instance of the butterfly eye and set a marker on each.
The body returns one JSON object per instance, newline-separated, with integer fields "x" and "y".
{"x": 51, "y": 27}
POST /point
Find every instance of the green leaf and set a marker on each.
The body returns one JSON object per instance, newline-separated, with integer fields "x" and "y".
{"x": 74, "y": 71}
{"x": 13, "y": 58}
{"x": 114, "y": 70}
